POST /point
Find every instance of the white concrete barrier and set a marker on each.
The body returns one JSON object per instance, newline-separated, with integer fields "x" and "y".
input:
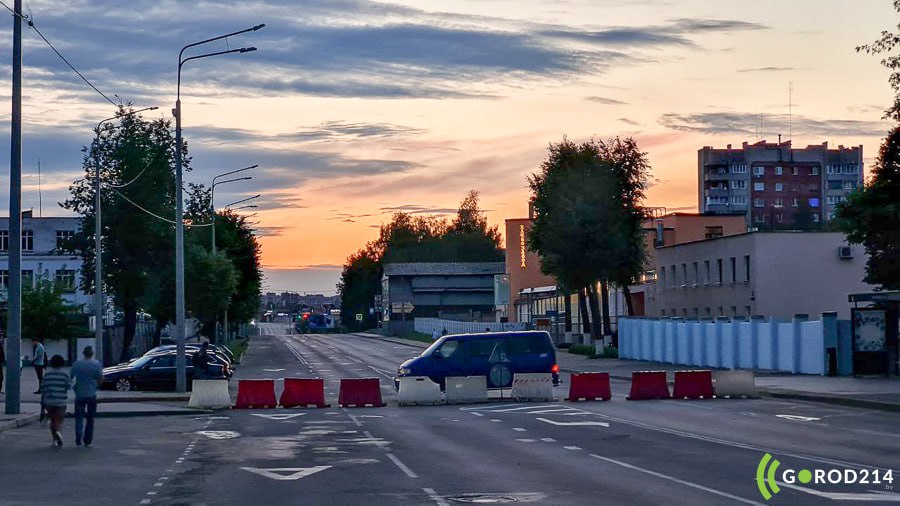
{"x": 532, "y": 386}
{"x": 417, "y": 390}
{"x": 463, "y": 389}
{"x": 735, "y": 384}
{"x": 209, "y": 394}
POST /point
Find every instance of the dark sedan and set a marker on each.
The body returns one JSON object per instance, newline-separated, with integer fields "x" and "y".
{"x": 155, "y": 372}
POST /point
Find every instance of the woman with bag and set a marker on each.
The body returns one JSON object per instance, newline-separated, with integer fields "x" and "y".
{"x": 54, "y": 396}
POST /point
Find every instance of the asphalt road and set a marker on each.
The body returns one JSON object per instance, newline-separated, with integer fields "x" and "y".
{"x": 617, "y": 452}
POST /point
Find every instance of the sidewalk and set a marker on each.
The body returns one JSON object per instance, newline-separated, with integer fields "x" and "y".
{"x": 110, "y": 403}
{"x": 869, "y": 393}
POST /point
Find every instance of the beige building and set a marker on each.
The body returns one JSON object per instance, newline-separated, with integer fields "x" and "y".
{"x": 776, "y": 274}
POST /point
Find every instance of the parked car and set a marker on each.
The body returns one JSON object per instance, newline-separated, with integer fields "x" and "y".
{"x": 222, "y": 351}
{"x": 496, "y": 355}
{"x": 156, "y": 372}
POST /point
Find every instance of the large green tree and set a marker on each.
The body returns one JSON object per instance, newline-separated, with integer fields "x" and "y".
{"x": 587, "y": 228}
{"x": 360, "y": 282}
{"x": 136, "y": 160}
{"x": 46, "y": 313}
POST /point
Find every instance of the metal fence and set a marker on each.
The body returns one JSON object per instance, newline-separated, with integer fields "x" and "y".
{"x": 429, "y": 325}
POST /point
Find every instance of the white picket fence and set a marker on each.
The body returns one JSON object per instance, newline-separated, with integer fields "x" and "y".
{"x": 428, "y": 325}
{"x": 796, "y": 346}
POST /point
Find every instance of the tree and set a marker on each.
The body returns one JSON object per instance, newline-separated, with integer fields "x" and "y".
{"x": 360, "y": 282}
{"x": 236, "y": 239}
{"x": 886, "y": 44}
{"x": 45, "y": 313}
{"x": 136, "y": 161}
{"x": 469, "y": 238}
{"x": 871, "y": 217}
{"x": 587, "y": 226}
{"x": 213, "y": 279}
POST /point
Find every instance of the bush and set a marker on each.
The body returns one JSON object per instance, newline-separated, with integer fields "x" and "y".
{"x": 610, "y": 352}
{"x": 582, "y": 349}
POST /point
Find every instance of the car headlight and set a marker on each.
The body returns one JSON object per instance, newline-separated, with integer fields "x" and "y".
{"x": 403, "y": 371}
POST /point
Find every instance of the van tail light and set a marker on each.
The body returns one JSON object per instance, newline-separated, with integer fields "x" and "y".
{"x": 555, "y": 369}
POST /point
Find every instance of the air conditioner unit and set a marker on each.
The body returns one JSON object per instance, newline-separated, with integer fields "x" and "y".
{"x": 845, "y": 253}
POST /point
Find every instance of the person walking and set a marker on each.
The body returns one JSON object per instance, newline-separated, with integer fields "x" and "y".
{"x": 435, "y": 335}
{"x": 201, "y": 362}
{"x": 55, "y": 393}
{"x": 39, "y": 360}
{"x": 86, "y": 373}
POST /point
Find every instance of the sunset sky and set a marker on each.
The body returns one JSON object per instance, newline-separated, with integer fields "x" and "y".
{"x": 357, "y": 109}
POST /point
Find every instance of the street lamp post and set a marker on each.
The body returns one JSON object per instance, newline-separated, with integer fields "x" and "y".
{"x": 180, "y": 362}
{"x": 98, "y": 243}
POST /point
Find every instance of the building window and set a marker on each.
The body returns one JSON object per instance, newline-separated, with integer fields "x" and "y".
{"x": 747, "y": 268}
{"x": 813, "y": 202}
{"x": 65, "y": 280}
{"x": 733, "y": 270}
{"x": 4, "y": 240}
{"x": 794, "y": 171}
{"x": 4, "y": 280}
{"x": 759, "y": 171}
{"x": 739, "y": 169}
{"x": 834, "y": 185}
{"x": 778, "y": 170}
{"x": 758, "y": 187}
{"x": 63, "y": 240}
{"x": 748, "y": 311}
{"x": 696, "y": 274}
{"x": 738, "y": 184}
{"x": 849, "y": 185}
{"x": 740, "y": 200}
{"x": 835, "y": 199}
{"x": 759, "y": 218}
{"x": 721, "y": 273}
{"x": 674, "y": 276}
{"x": 779, "y": 218}
{"x": 662, "y": 277}
{"x": 662, "y": 313}
{"x": 814, "y": 171}
{"x": 779, "y": 187}
{"x": 778, "y": 202}
{"x": 684, "y": 277}
{"x": 707, "y": 312}
{"x": 830, "y": 169}
{"x": 795, "y": 202}
{"x": 706, "y": 267}
{"x": 713, "y": 232}
{"x": 717, "y": 201}
{"x": 815, "y": 217}
{"x": 28, "y": 240}
{"x": 758, "y": 202}
{"x": 733, "y": 310}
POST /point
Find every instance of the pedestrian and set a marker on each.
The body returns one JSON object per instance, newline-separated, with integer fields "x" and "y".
{"x": 39, "y": 361}
{"x": 200, "y": 361}
{"x": 86, "y": 373}
{"x": 54, "y": 396}
{"x": 435, "y": 334}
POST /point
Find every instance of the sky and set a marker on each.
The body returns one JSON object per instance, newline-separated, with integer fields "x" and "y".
{"x": 356, "y": 109}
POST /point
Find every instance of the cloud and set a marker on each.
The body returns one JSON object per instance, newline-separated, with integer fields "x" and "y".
{"x": 675, "y": 33}
{"x": 605, "y": 101}
{"x": 418, "y": 209}
{"x": 629, "y": 122}
{"x": 744, "y": 123}
{"x": 768, "y": 69}
{"x": 343, "y": 130}
{"x": 269, "y": 231}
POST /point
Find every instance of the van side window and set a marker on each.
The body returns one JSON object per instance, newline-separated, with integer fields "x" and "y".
{"x": 522, "y": 345}
{"x": 448, "y": 348}
{"x": 483, "y": 347}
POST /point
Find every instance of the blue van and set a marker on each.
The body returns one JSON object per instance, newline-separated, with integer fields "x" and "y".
{"x": 496, "y": 355}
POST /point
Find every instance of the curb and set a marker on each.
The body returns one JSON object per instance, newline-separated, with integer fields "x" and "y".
{"x": 19, "y": 422}
{"x": 113, "y": 400}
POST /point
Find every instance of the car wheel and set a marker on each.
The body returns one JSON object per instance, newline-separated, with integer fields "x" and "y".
{"x": 124, "y": 384}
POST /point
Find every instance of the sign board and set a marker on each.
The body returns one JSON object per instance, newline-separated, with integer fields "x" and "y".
{"x": 359, "y": 317}
{"x": 542, "y": 322}
{"x": 402, "y": 307}
{"x": 869, "y": 340}
{"x": 371, "y": 310}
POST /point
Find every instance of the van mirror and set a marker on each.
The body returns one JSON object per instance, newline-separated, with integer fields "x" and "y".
{"x": 437, "y": 354}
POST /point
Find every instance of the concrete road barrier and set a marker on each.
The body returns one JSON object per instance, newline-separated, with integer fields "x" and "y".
{"x": 532, "y": 387}
{"x": 735, "y": 384}
{"x": 209, "y": 394}
{"x": 418, "y": 390}
{"x": 464, "y": 389}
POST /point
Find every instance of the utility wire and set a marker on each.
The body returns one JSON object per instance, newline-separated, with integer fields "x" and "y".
{"x": 30, "y": 21}
{"x": 141, "y": 173}
{"x": 151, "y": 213}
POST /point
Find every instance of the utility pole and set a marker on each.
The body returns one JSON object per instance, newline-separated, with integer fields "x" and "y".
{"x": 14, "y": 301}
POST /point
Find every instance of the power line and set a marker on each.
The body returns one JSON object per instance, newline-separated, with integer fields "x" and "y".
{"x": 139, "y": 174}
{"x": 30, "y": 21}
{"x": 151, "y": 213}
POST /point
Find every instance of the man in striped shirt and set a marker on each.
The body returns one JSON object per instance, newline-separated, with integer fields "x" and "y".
{"x": 54, "y": 395}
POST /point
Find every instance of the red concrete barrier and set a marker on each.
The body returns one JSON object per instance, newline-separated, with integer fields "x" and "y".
{"x": 303, "y": 392}
{"x": 359, "y": 393}
{"x": 693, "y": 385}
{"x": 589, "y": 386}
{"x": 256, "y": 394}
{"x": 648, "y": 385}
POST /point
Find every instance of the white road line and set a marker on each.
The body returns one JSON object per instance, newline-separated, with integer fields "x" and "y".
{"x": 572, "y": 448}
{"x": 524, "y": 408}
{"x": 476, "y": 413}
{"x": 494, "y": 408}
{"x": 548, "y": 440}
{"x": 570, "y": 411}
{"x": 495, "y": 420}
{"x": 402, "y": 466}
{"x": 574, "y": 424}
{"x": 355, "y": 420}
{"x": 434, "y": 497}
{"x": 675, "y": 480}
{"x": 379, "y": 371}
{"x": 519, "y": 429}
{"x": 145, "y": 501}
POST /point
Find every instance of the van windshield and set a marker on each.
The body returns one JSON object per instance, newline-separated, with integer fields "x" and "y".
{"x": 435, "y": 345}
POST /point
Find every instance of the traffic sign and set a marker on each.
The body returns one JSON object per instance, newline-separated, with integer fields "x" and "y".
{"x": 402, "y": 307}
{"x": 359, "y": 317}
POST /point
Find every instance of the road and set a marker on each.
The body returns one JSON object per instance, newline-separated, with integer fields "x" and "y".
{"x": 559, "y": 453}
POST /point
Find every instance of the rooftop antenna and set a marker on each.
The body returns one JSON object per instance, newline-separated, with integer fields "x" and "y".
{"x": 40, "y": 198}
{"x": 790, "y": 110}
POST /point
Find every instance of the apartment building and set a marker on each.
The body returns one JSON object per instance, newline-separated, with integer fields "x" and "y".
{"x": 776, "y": 186}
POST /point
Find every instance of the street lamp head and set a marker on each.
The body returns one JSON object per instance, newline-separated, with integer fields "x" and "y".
{"x": 247, "y": 49}
{"x": 257, "y": 27}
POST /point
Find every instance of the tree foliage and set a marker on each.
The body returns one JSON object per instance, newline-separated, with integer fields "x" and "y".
{"x": 46, "y": 313}
{"x": 136, "y": 160}
{"x": 587, "y": 201}
{"x": 360, "y": 282}
{"x": 885, "y": 45}
{"x": 871, "y": 217}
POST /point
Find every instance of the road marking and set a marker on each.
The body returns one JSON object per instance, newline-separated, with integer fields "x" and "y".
{"x": 278, "y": 416}
{"x": 295, "y": 473}
{"x": 402, "y": 466}
{"x": 273, "y": 370}
{"x": 560, "y": 410}
{"x": 520, "y": 429}
{"x": 495, "y": 408}
{"x": 675, "y": 480}
{"x": 496, "y": 420}
{"x": 476, "y": 414}
{"x": 380, "y": 371}
{"x": 145, "y": 501}
{"x": 527, "y": 440}
{"x": 215, "y": 434}
{"x": 572, "y": 448}
{"x": 355, "y": 420}
{"x": 434, "y": 497}
{"x": 876, "y": 495}
{"x": 521, "y": 408}
{"x": 798, "y": 418}
{"x": 574, "y": 424}
{"x": 548, "y": 440}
